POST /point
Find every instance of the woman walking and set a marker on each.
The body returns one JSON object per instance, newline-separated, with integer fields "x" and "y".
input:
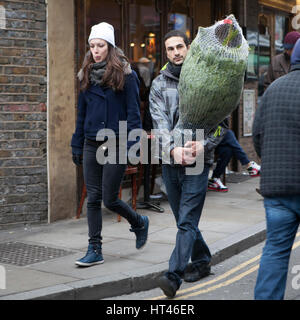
{"x": 109, "y": 94}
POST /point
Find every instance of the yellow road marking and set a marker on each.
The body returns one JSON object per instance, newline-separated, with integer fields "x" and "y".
{"x": 230, "y": 281}
{"x": 224, "y": 275}
{"x": 296, "y": 244}
{"x": 222, "y": 284}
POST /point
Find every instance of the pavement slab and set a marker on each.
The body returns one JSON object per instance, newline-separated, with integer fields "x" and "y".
{"x": 230, "y": 223}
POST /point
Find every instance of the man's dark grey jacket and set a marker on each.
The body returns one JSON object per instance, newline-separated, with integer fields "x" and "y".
{"x": 276, "y": 136}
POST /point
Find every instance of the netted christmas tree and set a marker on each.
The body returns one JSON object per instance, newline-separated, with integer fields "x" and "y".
{"x": 212, "y": 76}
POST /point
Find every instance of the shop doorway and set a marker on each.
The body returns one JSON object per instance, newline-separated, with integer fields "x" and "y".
{"x": 139, "y": 25}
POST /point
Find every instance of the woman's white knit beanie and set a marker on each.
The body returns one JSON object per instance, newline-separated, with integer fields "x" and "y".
{"x": 103, "y": 31}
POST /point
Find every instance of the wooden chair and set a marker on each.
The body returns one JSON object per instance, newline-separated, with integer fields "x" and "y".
{"x": 83, "y": 196}
{"x": 132, "y": 171}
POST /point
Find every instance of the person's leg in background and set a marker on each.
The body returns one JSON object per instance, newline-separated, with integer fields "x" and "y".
{"x": 252, "y": 167}
{"x": 237, "y": 150}
{"x": 224, "y": 153}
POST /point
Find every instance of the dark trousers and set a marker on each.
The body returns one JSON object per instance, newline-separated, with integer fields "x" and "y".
{"x": 186, "y": 195}
{"x": 103, "y": 183}
{"x": 227, "y": 148}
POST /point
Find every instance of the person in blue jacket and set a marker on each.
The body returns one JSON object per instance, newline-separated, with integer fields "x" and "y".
{"x": 109, "y": 94}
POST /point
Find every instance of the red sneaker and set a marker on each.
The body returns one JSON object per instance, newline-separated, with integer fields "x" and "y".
{"x": 215, "y": 184}
{"x": 254, "y": 169}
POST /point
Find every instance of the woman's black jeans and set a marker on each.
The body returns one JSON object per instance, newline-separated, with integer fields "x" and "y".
{"x": 103, "y": 183}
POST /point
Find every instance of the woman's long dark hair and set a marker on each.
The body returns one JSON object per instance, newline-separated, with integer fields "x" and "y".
{"x": 114, "y": 75}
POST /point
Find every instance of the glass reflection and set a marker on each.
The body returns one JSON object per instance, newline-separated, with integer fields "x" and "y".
{"x": 144, "y": 38}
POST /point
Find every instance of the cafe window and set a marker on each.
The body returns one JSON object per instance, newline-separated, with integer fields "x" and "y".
{"x": 144, "y": 35}
{"x": 253, "y": 58}
{"x": 281, "y": 29}
{"x": 264, "y": 58}
{"x": 179, "y": 17}
{"x": 273, "y": 26}
{"x": 103, "y": 11}
{"x": 140, "y": 25}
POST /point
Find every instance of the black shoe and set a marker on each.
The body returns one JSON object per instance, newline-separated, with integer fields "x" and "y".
{"x": 194, "y": 272}
{"x": 168, "y": 286}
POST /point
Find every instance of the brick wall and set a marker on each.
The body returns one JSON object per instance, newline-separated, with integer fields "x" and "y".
{"x": 23, "y": 86}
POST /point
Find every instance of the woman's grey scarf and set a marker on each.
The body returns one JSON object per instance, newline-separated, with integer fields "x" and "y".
{"x": 96, "y": 73}
{"x": 98, "y": 69}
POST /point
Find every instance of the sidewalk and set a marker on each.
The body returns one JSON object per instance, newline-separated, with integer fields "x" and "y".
{"x": 230, "y": 222}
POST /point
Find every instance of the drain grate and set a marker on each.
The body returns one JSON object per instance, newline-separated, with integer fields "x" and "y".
{"x": 22, "y": 254}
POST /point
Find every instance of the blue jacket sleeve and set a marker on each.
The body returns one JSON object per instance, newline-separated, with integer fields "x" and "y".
{"x": 133, "y": 104}
{"x": 78, "y": 137}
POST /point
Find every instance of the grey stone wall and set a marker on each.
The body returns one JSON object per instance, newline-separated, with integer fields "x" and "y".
{"x": 23, "y": 97}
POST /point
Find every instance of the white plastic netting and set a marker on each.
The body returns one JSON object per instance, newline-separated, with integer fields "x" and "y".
{"x": 212, "y": 76}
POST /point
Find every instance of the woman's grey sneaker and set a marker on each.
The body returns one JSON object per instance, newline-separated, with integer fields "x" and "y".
{"x": 92, "y": 257}
{"x": 141, "y": 233}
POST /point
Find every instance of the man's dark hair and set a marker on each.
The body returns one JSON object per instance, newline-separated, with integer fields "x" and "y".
{"x": 177, "y": 33}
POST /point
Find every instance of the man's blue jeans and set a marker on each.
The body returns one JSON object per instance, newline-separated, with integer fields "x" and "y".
{"x": 186, "y": 195}
{"x": 283, "y": 217}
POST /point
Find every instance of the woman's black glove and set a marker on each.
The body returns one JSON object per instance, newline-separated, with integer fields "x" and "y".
{"x": 77, "y": 159}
